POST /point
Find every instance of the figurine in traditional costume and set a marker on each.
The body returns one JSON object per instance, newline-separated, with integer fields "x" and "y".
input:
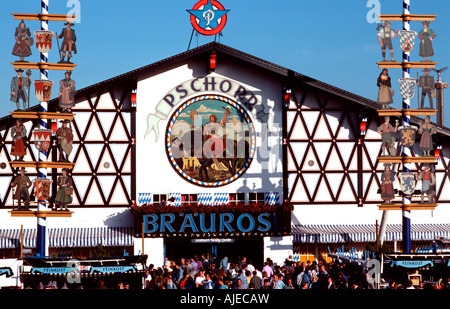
{"x": 426, "y": 82}
{"x": 68, "y": 45}
{"x": 19, "y": 85}
{"x": 385, "y": 92}
{"x": 64, "y": 136}
{"x": 23, "y": 183}
{"x": 65, "y": 190}
{"x": 428, "y": 183}
{"x": 18, "y": 134}
{"x": 387, "y": 139}
{"x": 427, "y": 130}
{"x": 385, "y": 36}
{"x": 426, "y": 35}
{"x": 387, "y": 184}
{"x": 23, "y": 42}
{"x": 67, "y": 93}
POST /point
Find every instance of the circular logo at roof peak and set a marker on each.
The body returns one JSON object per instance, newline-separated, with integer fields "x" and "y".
{"x": 208, "y": 17}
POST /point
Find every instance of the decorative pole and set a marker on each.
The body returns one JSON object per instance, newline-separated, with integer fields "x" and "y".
{"x": 406, "y": 214}
{"x": 42, "y": 247}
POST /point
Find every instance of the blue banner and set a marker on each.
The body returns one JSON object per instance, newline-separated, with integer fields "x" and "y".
{"x": 112, "y": 269}
{"x": 412, "y": 264}
{"x": 53, "y": 270}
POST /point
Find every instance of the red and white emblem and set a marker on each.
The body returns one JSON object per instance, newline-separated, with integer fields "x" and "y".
{"x": 42, "y": 188}
{"x": 43, "y": 40}
{"x": 42, "y": 139}
{"x": 43, "y": 89}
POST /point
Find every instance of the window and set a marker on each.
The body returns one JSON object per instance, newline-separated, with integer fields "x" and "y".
{"x": 159, "y": 198}
{"x": 235, "y": 198}
{"x": 256, "y": 197}
{"x": 188, "y": 198}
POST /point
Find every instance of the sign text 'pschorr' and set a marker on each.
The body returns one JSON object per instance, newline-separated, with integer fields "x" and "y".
{"x": 207, "y": 223}
{"x": 209, "y": 84}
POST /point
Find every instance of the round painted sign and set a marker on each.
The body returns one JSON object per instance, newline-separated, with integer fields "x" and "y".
{"x": 210, "y": 140}
{"x": 208, "y": 17}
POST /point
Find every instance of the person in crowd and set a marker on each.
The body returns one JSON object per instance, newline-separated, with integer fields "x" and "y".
{"x": 330, "y": 283}
{"x": 221, "y": 284}
{"x": 256, "y": 281}
{"x": 314, "y": 284}
{"x": 207, "y": 283}
{"x": 266, "y": 285}
{"x": 278, "y": 283}
{"x": 242, "y": 278}
{"x": 267, "y": 269}
{"x": 322, "y": 277}
{"x": 199, "y": 278}
{"x": 224, "y": 263}
{"x": 289, "y": 285}
{"x": 239, "y": 285}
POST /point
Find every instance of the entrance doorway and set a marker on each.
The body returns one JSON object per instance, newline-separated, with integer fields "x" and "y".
{"x": 251, "y": 248}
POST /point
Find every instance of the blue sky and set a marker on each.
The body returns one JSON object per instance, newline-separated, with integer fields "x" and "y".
{"x": 329, "y": 40}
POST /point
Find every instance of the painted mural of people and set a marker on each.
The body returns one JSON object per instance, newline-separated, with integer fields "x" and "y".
{"x": 68, "y": 45}
{"x": 18, "y": 134}
{"x": 214, "y": 137}
{"x": 24, "y": 40}
{"x": 19, "y": 85}
{"x": 426, "y": 82}
{"x": 23, "y": 183}
{"x": 196, "y": 119}
{"x": 211, "y": 150}
{"x": 385, "y": 92}
{"x": 387, "y": 136}
{"x": 428, "y": 183}
{"x": 426, "y": 36}
{"x": 67, "y": 92}
{"x": 387, "y": 184}
{"x": 64, "y": 136}
{"x": 214, "y": 126}
{"x": 427, "y": 130}
{"x": 65, "y": 190}
{"x": 385, "y": 36}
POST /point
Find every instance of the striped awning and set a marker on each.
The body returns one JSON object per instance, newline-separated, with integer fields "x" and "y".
{"x": 356, "y": 233}
{"x": 70, "y": 237}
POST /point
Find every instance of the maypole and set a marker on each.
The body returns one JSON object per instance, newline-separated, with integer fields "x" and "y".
{"x": 406, "y": 213}
{"x": 41, "y": 242}
{"x": 42, "y": 134}
{"x": 407, "y": 132}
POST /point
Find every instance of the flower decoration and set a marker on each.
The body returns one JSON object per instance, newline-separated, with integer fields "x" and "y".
{"x": 201, "y": 208}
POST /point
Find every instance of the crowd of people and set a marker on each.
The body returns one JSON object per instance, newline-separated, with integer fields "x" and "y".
{"x": 239, "y": 273}
{"x": 199, "y": 273}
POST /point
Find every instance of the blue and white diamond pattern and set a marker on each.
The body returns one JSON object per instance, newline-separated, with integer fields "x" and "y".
{"x": 405, "y": 37}
{"x": 271, "y": 198}
{"x": 205, "y": 198}
{"x": 221, "y": 198}
{"x": 407, "y": 87}
{"x": 144, "y": 198}
{"x": 177, "y": 197}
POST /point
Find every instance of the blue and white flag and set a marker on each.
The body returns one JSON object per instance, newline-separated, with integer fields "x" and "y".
{"x": 406, "y": 38}
{"x": 407, "y": 87}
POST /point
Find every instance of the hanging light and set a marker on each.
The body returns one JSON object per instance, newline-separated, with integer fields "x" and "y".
{"x": 212, "y": 62}
{"x": 363, "y": 125}
{"x": 287, "y": 98}
{"x": 133, "y": 98}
